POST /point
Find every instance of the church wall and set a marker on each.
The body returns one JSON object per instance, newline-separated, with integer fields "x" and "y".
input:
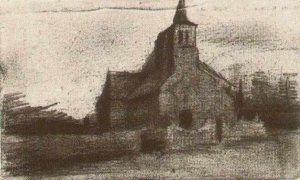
{"x": 142, "y": 112}
{"x": 134, "y": 114}
{"x": 185, "y": 58}
{"x": 195, "y": 91}
{"x": 117, "y": 114}
{"x": 179, "y": 93}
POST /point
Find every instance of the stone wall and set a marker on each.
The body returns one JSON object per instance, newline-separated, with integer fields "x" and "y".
{"x": 174, "y": 138}
{"x": 180, "y": 139}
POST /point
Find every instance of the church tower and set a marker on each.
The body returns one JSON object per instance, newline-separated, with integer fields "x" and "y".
{"x": 184, "y": 38}
{"x": 185, "y": 30}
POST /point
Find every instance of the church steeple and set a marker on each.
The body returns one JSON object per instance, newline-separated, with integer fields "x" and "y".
{"x": 180, "y": 15}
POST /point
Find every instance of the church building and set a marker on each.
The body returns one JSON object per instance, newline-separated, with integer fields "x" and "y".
{"x": 174, "y": 87}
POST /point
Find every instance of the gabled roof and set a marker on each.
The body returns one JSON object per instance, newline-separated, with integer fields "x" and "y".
{"x": 181, "y": 16}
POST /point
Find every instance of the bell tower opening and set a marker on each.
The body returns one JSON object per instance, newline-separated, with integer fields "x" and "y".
{"x": 187, "y": 37}
{"x": 180, "y": 37}
{"x": 185, "y": 119}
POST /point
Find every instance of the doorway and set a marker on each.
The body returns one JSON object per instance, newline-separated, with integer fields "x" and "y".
{"x": 185, "y": 119}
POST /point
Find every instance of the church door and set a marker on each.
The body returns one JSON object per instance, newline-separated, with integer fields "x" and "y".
{"x": 185, "y": 119}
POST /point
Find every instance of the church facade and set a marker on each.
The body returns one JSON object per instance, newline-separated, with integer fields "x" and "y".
{"x": 174, "y": 87}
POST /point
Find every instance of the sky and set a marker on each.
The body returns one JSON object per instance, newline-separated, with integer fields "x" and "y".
{"x": 60, "y": 50}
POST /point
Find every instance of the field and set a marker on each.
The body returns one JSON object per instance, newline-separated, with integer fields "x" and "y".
{"x": 81, "y": 157}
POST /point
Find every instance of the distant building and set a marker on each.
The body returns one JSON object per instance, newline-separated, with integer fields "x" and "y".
{"x": 261, "y": 87}
{"x": 174, "y": 87}
{"x": 287, "y": 88}
{"x": 260, "y": 79}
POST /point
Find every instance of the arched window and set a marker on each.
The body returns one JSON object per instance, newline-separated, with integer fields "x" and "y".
{"x": 180, "y": 37}
{"x": 187, "y": 37}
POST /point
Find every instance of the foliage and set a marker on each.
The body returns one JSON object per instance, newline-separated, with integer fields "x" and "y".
{"x": 21, "y": 118}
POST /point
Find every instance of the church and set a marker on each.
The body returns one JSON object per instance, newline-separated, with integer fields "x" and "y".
{"x": 174, "y": 87}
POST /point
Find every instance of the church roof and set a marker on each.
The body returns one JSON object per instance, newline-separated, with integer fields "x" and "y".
{"x": 212, "y": 72}
{"x": 131, "y": 85}
{"x": 150, "y": 85}
{"x": 181, "y": 15}
{"x": 123, "y": 83}
{"x": 126, "y": 85}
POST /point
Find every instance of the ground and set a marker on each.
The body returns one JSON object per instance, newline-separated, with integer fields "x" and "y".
{"x": 273, "y": 157}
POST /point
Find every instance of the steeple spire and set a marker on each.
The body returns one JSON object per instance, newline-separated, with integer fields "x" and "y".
{"x": 180, "y": 15}
{"x": 181, "y": 4}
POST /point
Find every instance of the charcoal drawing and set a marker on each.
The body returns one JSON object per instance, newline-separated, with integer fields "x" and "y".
{"x": 139, "y": 89}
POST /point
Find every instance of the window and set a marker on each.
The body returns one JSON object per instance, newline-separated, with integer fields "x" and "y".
{"x": 180, "y": 37}
{"x": 187, "y": 37}
{"x": 203, "y": 106}
{"x": 219, "y": 126}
